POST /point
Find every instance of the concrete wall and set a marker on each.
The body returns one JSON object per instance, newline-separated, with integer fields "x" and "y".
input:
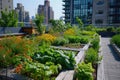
{"x": 96, "y": 7}
{"x": 7, "y": 30}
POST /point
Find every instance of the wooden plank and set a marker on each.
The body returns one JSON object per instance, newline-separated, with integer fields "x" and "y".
{"x": 61, "y": 75}
{"x": 69, "y": 75}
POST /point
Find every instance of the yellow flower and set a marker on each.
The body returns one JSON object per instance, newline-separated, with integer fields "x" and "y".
{"x": 46, "y": 37}
{"x": 69, "y": 32}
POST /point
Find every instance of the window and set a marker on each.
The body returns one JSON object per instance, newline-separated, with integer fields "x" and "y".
{"x": 100, "y": 2}
{"x": 99, "y": 21}
{"x": 100, "y": 12}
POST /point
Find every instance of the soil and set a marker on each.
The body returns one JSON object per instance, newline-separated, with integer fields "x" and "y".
{"x": 74, "y": 45}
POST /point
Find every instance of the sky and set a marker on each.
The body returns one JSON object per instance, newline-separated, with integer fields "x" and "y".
{"x": 32, "y": 5}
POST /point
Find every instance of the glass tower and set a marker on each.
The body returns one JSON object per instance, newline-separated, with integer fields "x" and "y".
{"x": 67, "y": 8}
{"x": 78, "y": 8}
{"x": 95, "y": 12}
{"x": 114, "y": 12}
{"x": 83, "y": 10}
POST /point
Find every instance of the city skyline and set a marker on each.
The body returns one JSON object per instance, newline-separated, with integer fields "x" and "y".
{"x": 57, "y": 8}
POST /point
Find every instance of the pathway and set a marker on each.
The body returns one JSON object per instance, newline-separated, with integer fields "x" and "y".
{"x": 111, "y": 60}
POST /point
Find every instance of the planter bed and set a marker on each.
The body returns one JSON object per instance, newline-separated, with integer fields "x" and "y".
{"x": 69, "y": 74}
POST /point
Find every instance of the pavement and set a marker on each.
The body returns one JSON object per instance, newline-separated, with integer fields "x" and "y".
{"x": 111, "y": 60}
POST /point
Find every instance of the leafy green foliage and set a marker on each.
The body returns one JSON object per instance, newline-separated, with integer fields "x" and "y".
{"x": 80, "y": 23}
{"x": 90, "y": 28}
{"x": 118, "y": 30}
{"x": 92, "y": 56}
{"x": 13, "y": 51}
{"x": 95, "y": 43}
{"x": 84, "y": 40}
{"x": 116, "y": 40}
{"x": 77, "y": 39}
{"x": 60, "y": 41}
{"x": 84, "y": 71}
{"x": 89, "y": 33}
{"x": 73, "y": 39}
{"x": 38, "y": 21}
{"x": 8, "y": 19}
{"x": 40, "y": 71}
{"x": 64, "y": 58}
{"x": 57, "y": 25}
{"x": 110, "y": 29}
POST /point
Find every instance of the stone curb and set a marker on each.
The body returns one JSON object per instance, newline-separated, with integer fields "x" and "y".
{"x": 116, "y": 49}
{"x": 100, "y": 69}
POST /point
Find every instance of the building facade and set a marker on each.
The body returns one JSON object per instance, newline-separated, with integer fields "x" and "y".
{"x": 46, "y": 11}
{"x": 23, "y": 16}
{"x": 6, "y": 5}
{"x": 96, "y": 12}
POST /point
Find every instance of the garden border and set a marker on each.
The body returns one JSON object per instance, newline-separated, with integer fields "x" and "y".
{"x": 69, "y": 74}
{"x": 116, "y": 49}
{"x": 100, "y": 68}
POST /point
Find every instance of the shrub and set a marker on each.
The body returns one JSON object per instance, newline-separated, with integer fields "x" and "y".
{"x": 46, "y": 38}
{"x": 92, "y": 56}
{"x": 90, "y": 33}
{"x": 69, "y": 32}
{"x": 118, "y": 30}
{"x": 84, "y": 71}
{"x": 64, "y": 58}
{"x": 110, "y": 29}
{"x": 95, "y": 43}
{"x": 11, "y": 48}
{"x": 84, "y": 40}
{"x": 60, "y": 41}
{"x": 116, "y": 40}
{"x": 73, "y": 39}
{"x": 40, "y": 71}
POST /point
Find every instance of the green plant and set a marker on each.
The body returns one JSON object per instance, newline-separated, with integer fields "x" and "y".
{"x": 38, "y": 21}
{"x": 73, "y": 39}
{"x": 118, "y": 30}
{"x": 8, "y": 19}
{"x": 57, "y": 25}
{"x": 80, "y": 23}
{"x": 110, "y": 29}
{"x": 64, "y": 58}
{"x": 60, "y": 41}
{"x": 92, "y": 56}
{"x": 84, "y": 71}
{"x": 83, "y": 40}
{"x": 90, "y": 28}
{"x": 13, "y": 50}
{"x": 116, "y": 40}
{"x": 40, "y": 71}
{"x": 95, "y": 43}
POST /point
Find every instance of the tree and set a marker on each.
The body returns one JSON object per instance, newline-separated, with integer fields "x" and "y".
{"x": 8, "y": 19}
{"x": 58, "y": 25}
{"x": 80, "y": 23}
{"x": 38, "y": 21}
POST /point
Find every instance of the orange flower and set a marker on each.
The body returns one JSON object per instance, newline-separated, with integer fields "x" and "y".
{"x": 18, "y": 68}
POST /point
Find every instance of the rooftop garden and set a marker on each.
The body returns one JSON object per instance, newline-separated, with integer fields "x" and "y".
{"x": 36, "y": 57}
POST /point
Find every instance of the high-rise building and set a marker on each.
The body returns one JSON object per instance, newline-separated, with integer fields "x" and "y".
{"x": 6, "y": 5}
{"x": 46, "y": 11}
{"x": 96, "y": 12}
{"x": 26, "y": 18}
{"x": 23, "y": 16}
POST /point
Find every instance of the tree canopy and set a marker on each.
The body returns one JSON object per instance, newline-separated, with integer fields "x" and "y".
{"x": 39, "y": 21}
{"x": 8, "y": 19}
